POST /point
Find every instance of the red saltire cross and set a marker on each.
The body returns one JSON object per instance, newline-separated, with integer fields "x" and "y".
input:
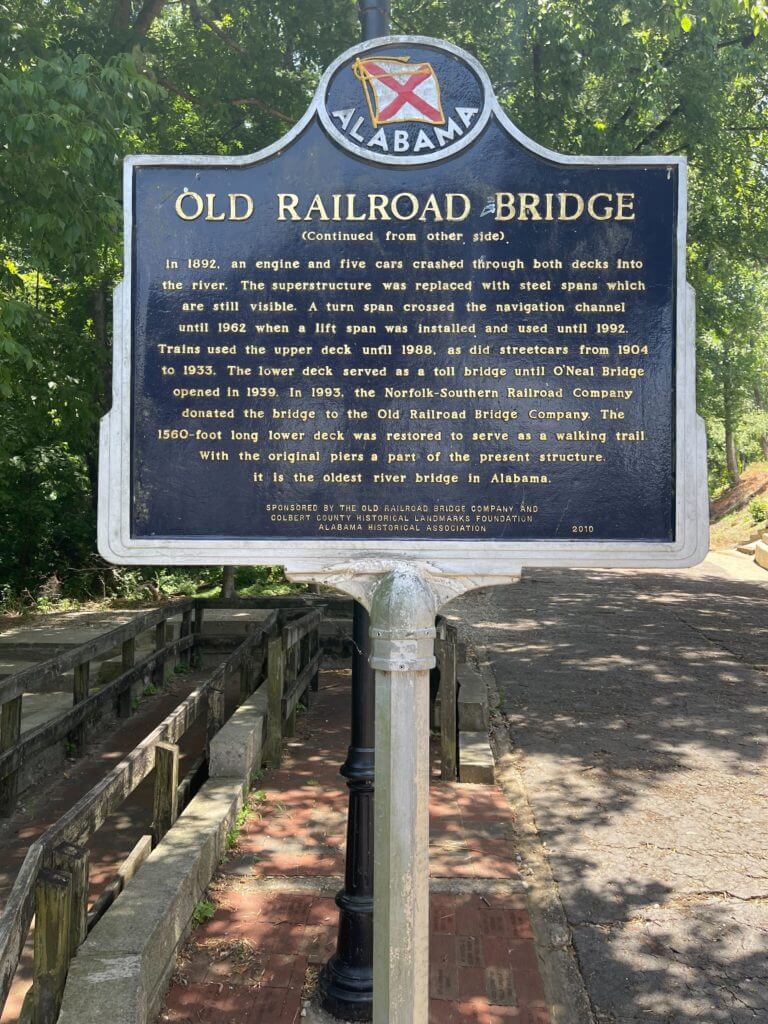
{"x": 405, "y": 93}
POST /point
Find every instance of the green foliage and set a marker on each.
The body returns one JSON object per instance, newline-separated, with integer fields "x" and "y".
{"x": 733, "y": 360}
{"x": 204, "y": 911}
{"x": 758, "y": 510}
{"x": 233, "y": 835}
{"x": 82, "y": 85}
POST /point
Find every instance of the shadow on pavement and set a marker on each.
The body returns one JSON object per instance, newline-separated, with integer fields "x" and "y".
{"x": 639, "y": 702}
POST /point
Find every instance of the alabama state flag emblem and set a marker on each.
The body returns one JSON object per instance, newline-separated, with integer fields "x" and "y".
{"x": 397, "y": 90}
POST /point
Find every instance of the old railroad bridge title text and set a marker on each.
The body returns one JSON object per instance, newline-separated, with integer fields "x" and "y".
{"x": 406, "y": 206}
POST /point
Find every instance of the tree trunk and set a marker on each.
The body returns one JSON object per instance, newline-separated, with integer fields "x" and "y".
{"x": 102, "y": 384}
{"x": 150, "y": 10}
{"x": 760, "y": 402}
{"x": 228, "y": 582}
{"x": 731, "y": 456}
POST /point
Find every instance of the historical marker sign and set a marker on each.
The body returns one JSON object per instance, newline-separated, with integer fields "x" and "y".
{"x": 404, "y": 330}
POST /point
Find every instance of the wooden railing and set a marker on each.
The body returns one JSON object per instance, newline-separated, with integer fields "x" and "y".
{"x": 72, "y": 725}
{"x": 294, "y": 663}
{"x": 447, "y": 653}
{"x": 283, "y": 652}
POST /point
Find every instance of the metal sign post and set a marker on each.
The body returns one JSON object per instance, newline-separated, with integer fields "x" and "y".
{"x": 374, "y": 18}
{"x": 403, "y": 610}
{"x": 404, "y": 351}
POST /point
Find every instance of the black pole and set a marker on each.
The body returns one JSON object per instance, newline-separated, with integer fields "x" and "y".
{"x": 346, "y": 981}
{"x": 374, "y": 18}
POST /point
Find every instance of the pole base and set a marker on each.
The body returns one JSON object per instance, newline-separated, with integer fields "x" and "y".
{"x": 346, "y": 992}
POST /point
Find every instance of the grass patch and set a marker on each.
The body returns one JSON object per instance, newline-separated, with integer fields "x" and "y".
{"x": 733, "y": 529}
{"x": 233, "y": 835}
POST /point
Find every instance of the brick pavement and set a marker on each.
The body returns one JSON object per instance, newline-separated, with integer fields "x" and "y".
{"x": 257, "y": 958}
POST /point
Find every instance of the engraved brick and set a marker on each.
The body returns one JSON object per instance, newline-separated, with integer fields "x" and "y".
{"x": 468, "y": 951}
{"x": 494, "y": 922}
{"x": 500, "y": 987}
{"x": 443, "y": 981}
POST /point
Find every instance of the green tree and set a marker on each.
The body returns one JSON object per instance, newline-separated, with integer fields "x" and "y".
{"x": 733, "y": 350}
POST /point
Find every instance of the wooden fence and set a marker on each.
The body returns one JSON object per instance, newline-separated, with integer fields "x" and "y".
{"x": 293, "y": 666}
{"x": 448, "y": 653}
{"x": 16, "y": 749}
{"x": 283, "y": 652}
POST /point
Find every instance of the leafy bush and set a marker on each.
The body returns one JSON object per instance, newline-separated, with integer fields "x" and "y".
{"x": 204, "y": 911}
{"x": 758, "y": 510}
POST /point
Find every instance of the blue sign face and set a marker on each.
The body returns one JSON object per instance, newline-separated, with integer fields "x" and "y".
{"x": 405, "y": 321}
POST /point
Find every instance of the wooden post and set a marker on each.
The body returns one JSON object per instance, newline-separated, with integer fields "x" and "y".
{"x": 129, "y": 660}
{"x": 246, "y": 669}
{"x": 158, "y": 672}
{"x": 81, "y": 689}
{"x": 199, "y": 612}
{"x": 434, "y": 676}
{"x": 197, "y": 629}
{"x": 273, "y": 748}
{"x": 10, "y": 731}
{"x": 166, "y": 789}
{"x": 74, "y": 861}
{"x": 314, "y": 682}
{"x": 216, "y": 711}
{"x": 446, "y": 659}
{"x": 53, "y": 912}
{"x": 291, "y": 674}
{"x": 186, "y": 628}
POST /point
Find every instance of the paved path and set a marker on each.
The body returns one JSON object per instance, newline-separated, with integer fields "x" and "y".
{"x": 637, "y": 703}
{"x": 257, "y": 958}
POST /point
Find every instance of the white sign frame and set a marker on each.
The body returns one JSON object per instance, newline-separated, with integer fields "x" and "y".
{"x": 484, "y": 561}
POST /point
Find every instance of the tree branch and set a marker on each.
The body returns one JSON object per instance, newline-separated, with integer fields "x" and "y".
{"x": 246, "y": 101}
{"x": 166, "y": 84}
{"x": 658, "y": 129}
{"x": 228, "y": 41}
{"x": 746, "y": 40}
{"x": 251, "y": 101}
{"x": 150, "y": 9}
{"x": 121, "y": 16}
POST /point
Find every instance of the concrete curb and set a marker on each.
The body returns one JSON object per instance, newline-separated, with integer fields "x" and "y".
{"x": 761, "y": 553}
{"x": 122, "y": 970}
{"x": 563, "y": 984}
{"x": 236, "y": 748}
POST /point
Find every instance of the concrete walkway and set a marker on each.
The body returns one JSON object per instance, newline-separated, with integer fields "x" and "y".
{"x": 637, "y": 705}
{"x": 257, "y": 958}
